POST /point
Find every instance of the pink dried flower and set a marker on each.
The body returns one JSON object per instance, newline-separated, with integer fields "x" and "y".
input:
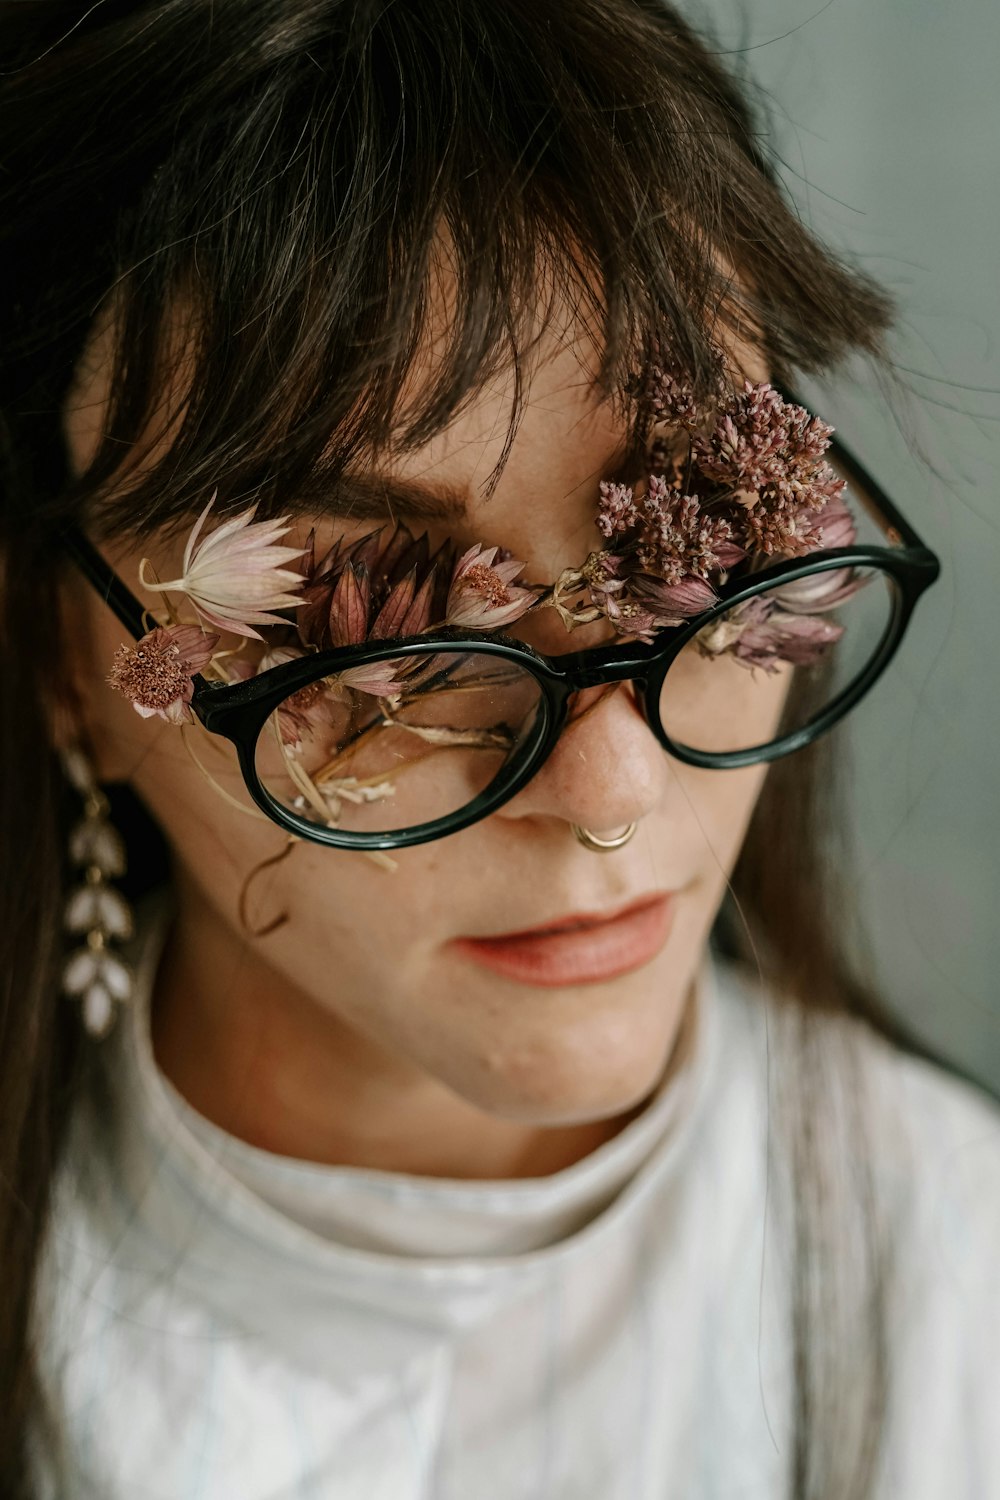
{"x": 781, "y": 529}
{"x": 351, "y": 607}
{"x": 604, "y": 572}
{"x": 635, "y": 603}
{"x": 385, "y": 586}
{"x": 672, "y": 603}
{"x": 233, "y": 576}
{"x": 307, "y": 710}
{"x": 742, "y": 474}
{"x": 156, "y": 674}
{"x": 647, "y": 604}
{"x": 762, "y": 635}
{"x": 821, "y": 591}
{"x": 678, "y": 538}
{"x": 768, "y": 455}
{"x": 760, "y": 440}
{"x": 836, "y": 526}
{"x": 789, "y": 516}
{"x": 666, "y": 400}
{"x": 386, "y": 679}
{"x": 630, "y": 620}
{"x": 482, "y": 594}
{"x": 379, "y": 588}
{"x": 617, "y": 511}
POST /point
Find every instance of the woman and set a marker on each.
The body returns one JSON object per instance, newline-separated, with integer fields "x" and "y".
{"x": 415, "y": 576}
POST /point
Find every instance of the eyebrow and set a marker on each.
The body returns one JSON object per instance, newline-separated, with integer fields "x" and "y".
{"x": 369, "y": 497}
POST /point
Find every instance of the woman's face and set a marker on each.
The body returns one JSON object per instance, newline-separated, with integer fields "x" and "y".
{"x": 369, "y": 967}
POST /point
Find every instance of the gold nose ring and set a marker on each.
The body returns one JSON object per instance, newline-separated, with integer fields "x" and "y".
{"x": 593, "y": 841}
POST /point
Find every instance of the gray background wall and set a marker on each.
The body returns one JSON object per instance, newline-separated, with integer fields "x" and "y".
{"x": 887, "y": 113}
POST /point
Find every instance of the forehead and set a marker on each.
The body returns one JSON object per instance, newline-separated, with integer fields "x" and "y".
{"x": 528, "y": 445}
{"x": 542, "y": 431}
{"x": 534, "y": 425}
{"x": 570, "y": 434}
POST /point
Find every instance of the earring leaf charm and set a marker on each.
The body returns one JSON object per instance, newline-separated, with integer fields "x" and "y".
{"x": 94, "y": 974}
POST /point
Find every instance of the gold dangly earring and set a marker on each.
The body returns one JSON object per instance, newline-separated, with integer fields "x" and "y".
{"x": 94, "y": 974}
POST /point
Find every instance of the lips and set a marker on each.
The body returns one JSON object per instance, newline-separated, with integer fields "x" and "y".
{"x": 584, "y": 948}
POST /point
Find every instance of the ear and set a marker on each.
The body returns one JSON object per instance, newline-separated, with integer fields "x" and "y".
{"x": 71, "y": 704}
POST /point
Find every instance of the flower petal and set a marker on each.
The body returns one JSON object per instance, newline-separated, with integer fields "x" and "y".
{"x": 675, "y": 600}
{"x": 388, "y": 621}
{"x": 418, "y": 617}
{"x": 234, "y": 576}
{"x": 349, "y": 607}
{"x": 193, "y": 538}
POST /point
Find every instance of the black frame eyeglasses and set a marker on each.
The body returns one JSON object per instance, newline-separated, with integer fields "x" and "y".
{"x": 239, "y": 711}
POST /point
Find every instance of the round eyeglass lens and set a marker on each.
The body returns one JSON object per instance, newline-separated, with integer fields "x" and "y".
{"x": 388, "y": 746}
{"x": 771, "y": 666}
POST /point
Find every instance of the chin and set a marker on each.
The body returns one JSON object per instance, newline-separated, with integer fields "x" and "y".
{"x": 551, "y": 1091}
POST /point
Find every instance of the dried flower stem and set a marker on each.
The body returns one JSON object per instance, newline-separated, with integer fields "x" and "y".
{"x": 265, "y": 864}
{"x": 154, "y": 583}
{"x": 445, "y": 734}
{"x": 253, "y": 812}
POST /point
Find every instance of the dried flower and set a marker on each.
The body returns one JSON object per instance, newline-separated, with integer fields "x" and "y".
{"x": 823, "y": 591}
{"x": 384, "y": 586}
{"x": 234, "y": 575}
{"x": 672, "y": 603}
{"x": 156, "y": 674}
{"x": 603, "y": 572}
{"x": 663, "y": 399}
{"x": 678, "y": 538}
{"x": 630, "y": 620}
{"x": 760, "y": 634}
{"x": 760, "y": 440}
{"x": 482, "y": 595}
{"x": 302, "y": 712}
{"x": 636, "y": 603}
{"x": 740, "y": 474}
{"x": 617, "y": 511}
{"x": 767, "y": 454}
{"x": 836, "y": 526}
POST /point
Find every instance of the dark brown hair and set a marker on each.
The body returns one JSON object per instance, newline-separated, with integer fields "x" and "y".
{"x": 282, "y": 169}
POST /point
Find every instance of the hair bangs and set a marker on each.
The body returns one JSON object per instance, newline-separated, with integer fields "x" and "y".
{"x": 278, "y": 279}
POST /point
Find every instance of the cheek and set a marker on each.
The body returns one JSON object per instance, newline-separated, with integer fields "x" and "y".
{"x": 228, "y": 852}
{"x": 250, "y": 873}
{"x": 720, "y": 705}
{"x": 726, "y": 708}
{"x": 712, "y": 809}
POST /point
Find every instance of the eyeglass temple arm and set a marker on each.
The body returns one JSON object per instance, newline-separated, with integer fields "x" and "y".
{"x": 105, "y": 580}
{"x": 860, "y": 476}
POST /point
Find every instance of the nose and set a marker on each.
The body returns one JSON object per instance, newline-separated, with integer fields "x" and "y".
{"x": 607, "y": 770}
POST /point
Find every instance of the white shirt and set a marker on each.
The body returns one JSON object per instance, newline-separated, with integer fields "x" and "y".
{"x": 219, "y": 1323}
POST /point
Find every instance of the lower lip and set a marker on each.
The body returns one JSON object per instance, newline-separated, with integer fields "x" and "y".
{"x": 579, "y": 955}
